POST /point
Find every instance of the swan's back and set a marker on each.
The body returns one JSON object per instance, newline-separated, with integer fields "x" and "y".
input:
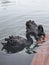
{"x": 16, "y": 41}
{"x": 19, "y": 40}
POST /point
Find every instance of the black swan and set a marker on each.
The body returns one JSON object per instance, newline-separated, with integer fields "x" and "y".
{"x": 34, "y": 30}
{"x": 14, "y": 44}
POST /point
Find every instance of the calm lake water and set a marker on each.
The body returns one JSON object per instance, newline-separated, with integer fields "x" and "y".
{"x": 13, "y": 16}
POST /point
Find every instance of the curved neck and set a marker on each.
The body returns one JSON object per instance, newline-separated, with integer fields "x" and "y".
{"x": 29, "y": 38}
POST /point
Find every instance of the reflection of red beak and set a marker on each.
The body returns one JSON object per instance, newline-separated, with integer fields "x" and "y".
{"x": 44, "y": 37}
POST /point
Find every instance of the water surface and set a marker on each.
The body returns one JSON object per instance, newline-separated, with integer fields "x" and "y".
{"x": 13, "y": 15}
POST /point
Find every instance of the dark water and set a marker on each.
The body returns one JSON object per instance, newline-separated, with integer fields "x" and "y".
{"x": 13, "y": 15}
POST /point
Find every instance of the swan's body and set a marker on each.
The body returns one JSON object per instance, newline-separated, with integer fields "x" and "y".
{"x": 16, "y": 43}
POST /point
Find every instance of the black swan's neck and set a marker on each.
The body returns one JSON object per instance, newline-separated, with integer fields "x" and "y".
{"x": 29, "y": 38}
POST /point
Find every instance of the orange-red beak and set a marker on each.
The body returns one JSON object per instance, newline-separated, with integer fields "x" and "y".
{"x": 44, "y": 37}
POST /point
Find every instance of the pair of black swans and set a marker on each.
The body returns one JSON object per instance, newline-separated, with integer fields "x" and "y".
{"x": 16, "y": 43}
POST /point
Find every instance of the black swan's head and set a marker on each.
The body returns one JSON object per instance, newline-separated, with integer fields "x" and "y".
{"x": 40, "y": 28}
{"x": 41, "y": 31}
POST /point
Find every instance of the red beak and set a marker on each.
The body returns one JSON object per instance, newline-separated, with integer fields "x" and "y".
{"x": 44, "y": 37}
